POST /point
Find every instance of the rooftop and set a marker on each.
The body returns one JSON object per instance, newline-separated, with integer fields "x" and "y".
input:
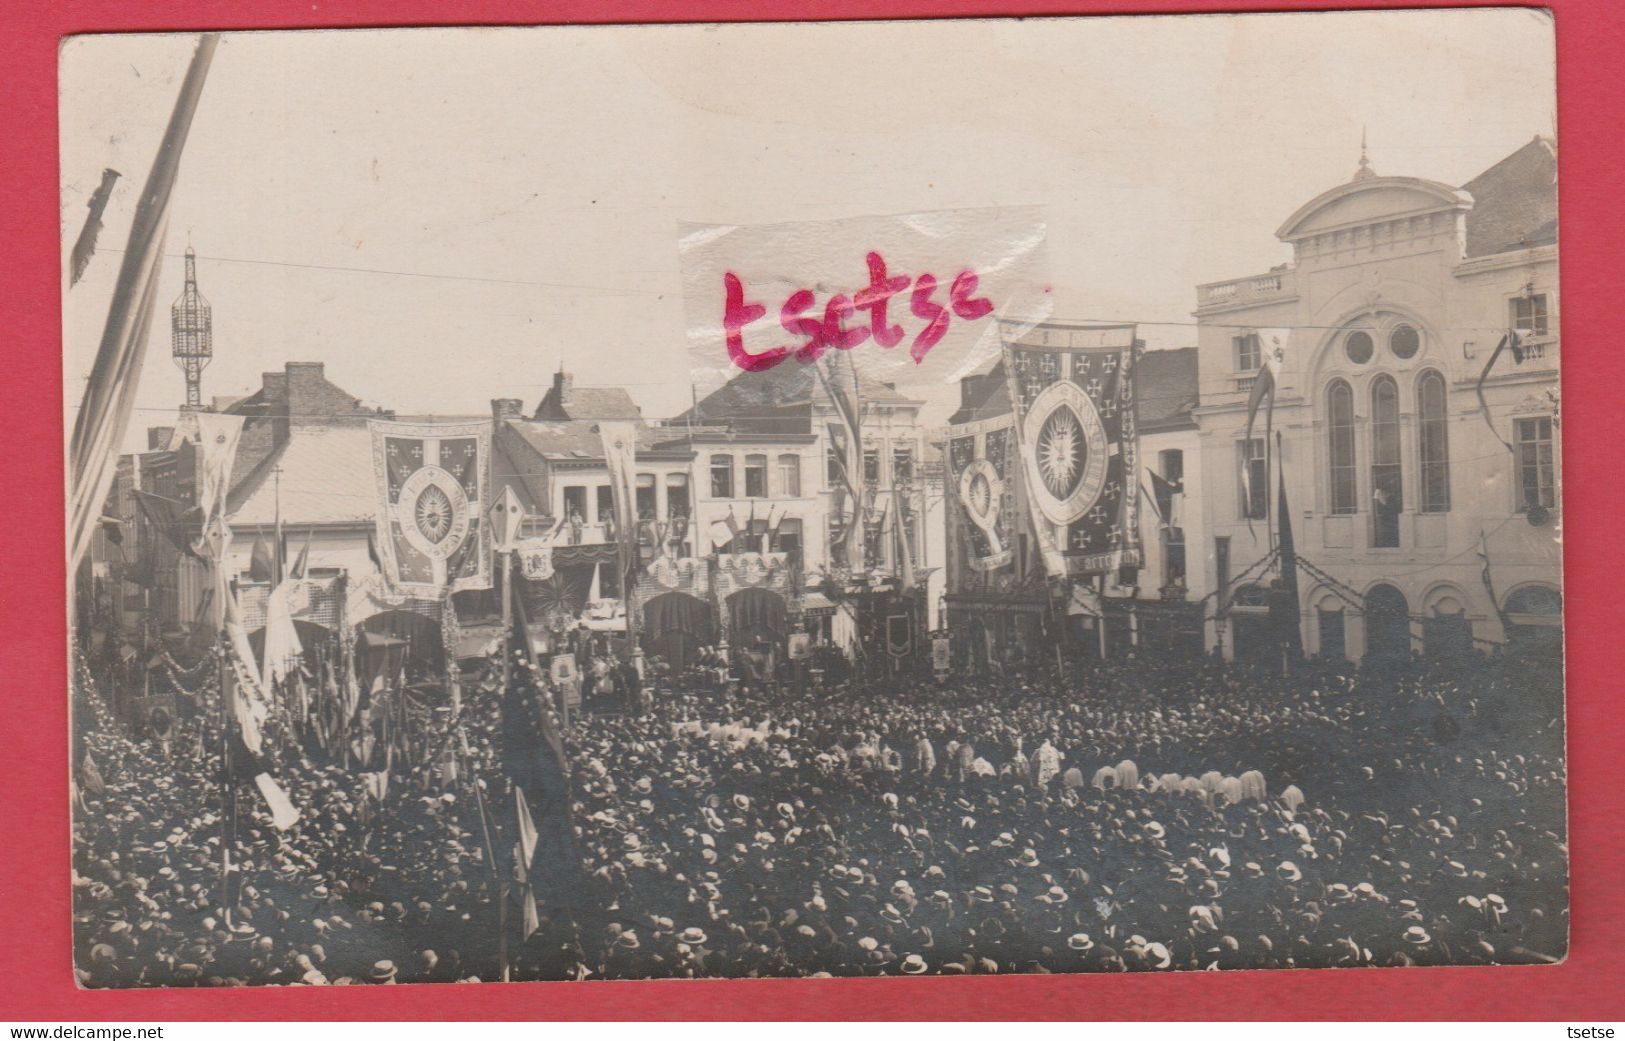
{"x": 325, "y": 477}
{"x": 1514, "y": 201}
{"x": 1165, "y": 391}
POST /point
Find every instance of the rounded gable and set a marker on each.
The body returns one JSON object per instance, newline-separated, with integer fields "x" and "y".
{"x": 1368, "y": 200}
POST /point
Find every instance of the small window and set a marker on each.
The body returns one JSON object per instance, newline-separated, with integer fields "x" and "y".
{"x": 756, "y": 477}
{"x": 1537, "y": 474}
{"x": 902, "y": 465}
{"x": 722, "y": 477}
{"x": 871, "y": 464}
{"x": 790, "y": 475}
{"x": 677, "y": 495}
{"x": 1253, "y": 467}
{"x": 1248, "y": 352}
{"x": 647, "y": 499}
{"x": 1405, "y": 341}
{"x": 1358, "y": 347}
{"x": 1529, "y": 314}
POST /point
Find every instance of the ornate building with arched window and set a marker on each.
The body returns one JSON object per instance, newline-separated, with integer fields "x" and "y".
{"x": 1410, "y": 457}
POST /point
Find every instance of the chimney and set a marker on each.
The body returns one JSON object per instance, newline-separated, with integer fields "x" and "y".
{"x": 562, "y": 382}
{"x": 507, "y": 408}
{"x": 968, "y": 386}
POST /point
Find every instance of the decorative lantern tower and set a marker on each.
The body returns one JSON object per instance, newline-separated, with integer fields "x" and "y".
{"x": 193, "y": 331}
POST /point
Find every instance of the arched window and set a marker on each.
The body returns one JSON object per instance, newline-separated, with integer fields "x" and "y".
{"x": 1387, "y": 489}
{"x": 1433, "y": 440}
{"x": 1340, "y": 435}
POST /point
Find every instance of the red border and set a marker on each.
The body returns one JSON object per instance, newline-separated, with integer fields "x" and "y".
{"x": 34, "y": 943}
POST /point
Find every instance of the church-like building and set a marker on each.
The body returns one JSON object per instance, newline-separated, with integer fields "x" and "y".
{"x": 1417, "y": 405}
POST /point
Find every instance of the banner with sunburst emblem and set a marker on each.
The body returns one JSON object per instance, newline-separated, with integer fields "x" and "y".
{"x": 980, "y": 472}
{"x": 431, "y": 482}
{"x": 1073, "y": 393}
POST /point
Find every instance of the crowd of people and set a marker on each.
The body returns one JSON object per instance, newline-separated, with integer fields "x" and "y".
{"x": 1137, "y": 817}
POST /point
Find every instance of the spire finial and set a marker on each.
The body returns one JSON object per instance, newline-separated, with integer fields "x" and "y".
{"x": 1365, "y": 160}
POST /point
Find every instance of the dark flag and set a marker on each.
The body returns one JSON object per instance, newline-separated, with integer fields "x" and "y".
{"x": 533, "y": 756}
{"x": 85, "y": 247}
{"x": 261, "y": 563}
{"x": 303, "y": 559}
{"x": 1284, "y": 607}
{"x": 181, "y": 524}
{"x": 1509, "y": 341}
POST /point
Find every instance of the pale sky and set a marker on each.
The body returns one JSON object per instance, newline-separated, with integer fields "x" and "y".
{"x": 444, "y": 215}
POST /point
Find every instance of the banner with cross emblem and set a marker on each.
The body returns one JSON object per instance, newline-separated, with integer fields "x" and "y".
{"x": 433, "y": 536}
{"x": 1073, "y": 393}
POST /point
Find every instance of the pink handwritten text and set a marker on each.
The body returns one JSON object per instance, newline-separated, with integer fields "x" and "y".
{"x": 846, "y": 321}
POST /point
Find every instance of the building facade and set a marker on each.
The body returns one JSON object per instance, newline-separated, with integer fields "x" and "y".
{"x": 1420, "y": 465}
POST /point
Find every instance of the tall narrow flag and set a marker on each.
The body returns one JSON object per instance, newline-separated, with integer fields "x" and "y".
{"x": 1284, "y": 605}
{"x": 104, "y": 412}
{"x": 1272, "y": 347}
{"x": 620, "y": 443}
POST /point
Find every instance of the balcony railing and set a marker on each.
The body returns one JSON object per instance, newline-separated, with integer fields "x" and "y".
{"x": 1245, "y": 290}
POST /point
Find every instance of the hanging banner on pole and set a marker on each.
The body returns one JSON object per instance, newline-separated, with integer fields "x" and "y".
{"x": 981, "y": 462}
{"x": 1073, "y": 393}
{"x": 433, "y": 538}
{"x": 941, "y": 654}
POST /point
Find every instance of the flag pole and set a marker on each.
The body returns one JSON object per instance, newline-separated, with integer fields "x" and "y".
{"x": 110, "y": 391}
{"x": 490, "y": 851}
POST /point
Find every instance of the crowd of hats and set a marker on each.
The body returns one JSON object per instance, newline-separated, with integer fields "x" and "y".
{"x": 1144, "y": 817}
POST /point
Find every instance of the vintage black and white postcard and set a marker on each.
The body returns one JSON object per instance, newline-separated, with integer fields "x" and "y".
{"x": 853, "y": 499}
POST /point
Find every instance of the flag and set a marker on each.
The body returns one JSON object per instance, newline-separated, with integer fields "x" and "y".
{"x": 282, "y": 645}
{"x": 110, "y": 392}
{"x": 283, "y": 813}
{"x": 526, "y": 846}
{"x": 1084, "y": 601}
{"x": 1284, "y": 605}
{"x": 218, "y": 437}
{"x": 261, "y": 565}
{"x": 433, "y": 537}
{"x": 85, "y": 247}
{"x": 1509, "y": 340}
{"x": 179, "y": 523}
{"x": 905, "y": 556}
{"x": 620, "y": 445}
{"x": 303, "y": 559}
{"x": 1272, "y": 344}
{"x": 1168, "y": 497}
{"x": 844, "y": 397}
{"x": 1078, "y": 443}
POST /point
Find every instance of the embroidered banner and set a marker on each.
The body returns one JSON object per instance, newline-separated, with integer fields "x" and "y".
{"x": 431, "y": 480}
{"x": 1073, "y": 392}
{"x": 535, "y": 558}
{"x": 736, "y": 571}
{"x": 980, "y": 465}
